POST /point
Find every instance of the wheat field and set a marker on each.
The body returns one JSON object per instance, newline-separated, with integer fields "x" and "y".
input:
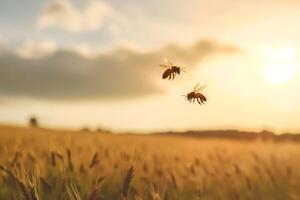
{"x": 53, "y": 165}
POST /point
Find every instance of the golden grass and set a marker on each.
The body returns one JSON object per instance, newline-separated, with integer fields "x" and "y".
{"x": 43, "y": 164}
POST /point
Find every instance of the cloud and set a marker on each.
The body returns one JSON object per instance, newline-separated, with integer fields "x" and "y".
{"x": 31, "y": 49}
{"x": 2, "y": 48}
{"x": 63, "y": 14}
{"x": 122, "y": 73}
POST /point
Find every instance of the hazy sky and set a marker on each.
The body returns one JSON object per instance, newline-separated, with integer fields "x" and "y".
{"x": 95, "y": 63}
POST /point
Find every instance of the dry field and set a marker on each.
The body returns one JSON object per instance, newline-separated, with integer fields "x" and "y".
{"x": 54, "y": 165}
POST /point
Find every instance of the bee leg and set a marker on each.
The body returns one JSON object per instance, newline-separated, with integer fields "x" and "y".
{"x": 173, "y": 76}
{"x": 199, "y": 101}
{"x": 203, "y": 100}
{"x": 170, "y": 76}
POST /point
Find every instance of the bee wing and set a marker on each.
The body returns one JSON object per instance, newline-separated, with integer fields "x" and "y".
{"x": 196, "y": 87}
{"x": 200, "y": 88}
{"x": 167, "y": 62}
{"x": 164, "y": 66}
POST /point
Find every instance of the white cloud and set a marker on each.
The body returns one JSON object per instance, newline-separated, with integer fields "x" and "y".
{"x": 67, "y": 75}
{"x": 91, "y": 51}
{"x": 31, "y": 49}
{"x": 63, "y": 14}
{"x": 3, "y": 43}
{"x": 86, "y": 50}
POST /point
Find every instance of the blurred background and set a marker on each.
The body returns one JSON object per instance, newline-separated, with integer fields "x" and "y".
{"x": 75, "y": 63}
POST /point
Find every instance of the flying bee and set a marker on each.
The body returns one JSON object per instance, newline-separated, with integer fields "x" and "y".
{"x": 196, "y": 95}
{"x": 171, "y": 70}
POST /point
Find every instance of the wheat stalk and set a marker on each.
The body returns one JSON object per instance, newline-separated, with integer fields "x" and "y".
{"x": 126, "y": 183}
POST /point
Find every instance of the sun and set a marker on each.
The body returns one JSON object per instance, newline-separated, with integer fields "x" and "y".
{"x": 280, "y": 64}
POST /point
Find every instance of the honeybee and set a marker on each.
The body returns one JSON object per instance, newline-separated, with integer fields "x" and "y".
{"x": 171, "y": 70}
{"x": 196, "y": 95}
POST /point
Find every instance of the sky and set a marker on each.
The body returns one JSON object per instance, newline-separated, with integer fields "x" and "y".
{"x": 94, "y": 63}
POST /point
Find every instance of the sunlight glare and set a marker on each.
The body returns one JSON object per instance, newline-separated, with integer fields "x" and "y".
{"x": 280, "y": 64}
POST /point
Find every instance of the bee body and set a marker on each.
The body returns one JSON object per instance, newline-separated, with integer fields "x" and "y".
{"x": 192, "y": 96}
{"x": 171, "y": 72}
{"x": 196, "y": 95}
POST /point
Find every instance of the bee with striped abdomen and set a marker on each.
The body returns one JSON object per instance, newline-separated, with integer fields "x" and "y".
{"x": 196, "y": 95}
{"x": 171, "y": 70}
